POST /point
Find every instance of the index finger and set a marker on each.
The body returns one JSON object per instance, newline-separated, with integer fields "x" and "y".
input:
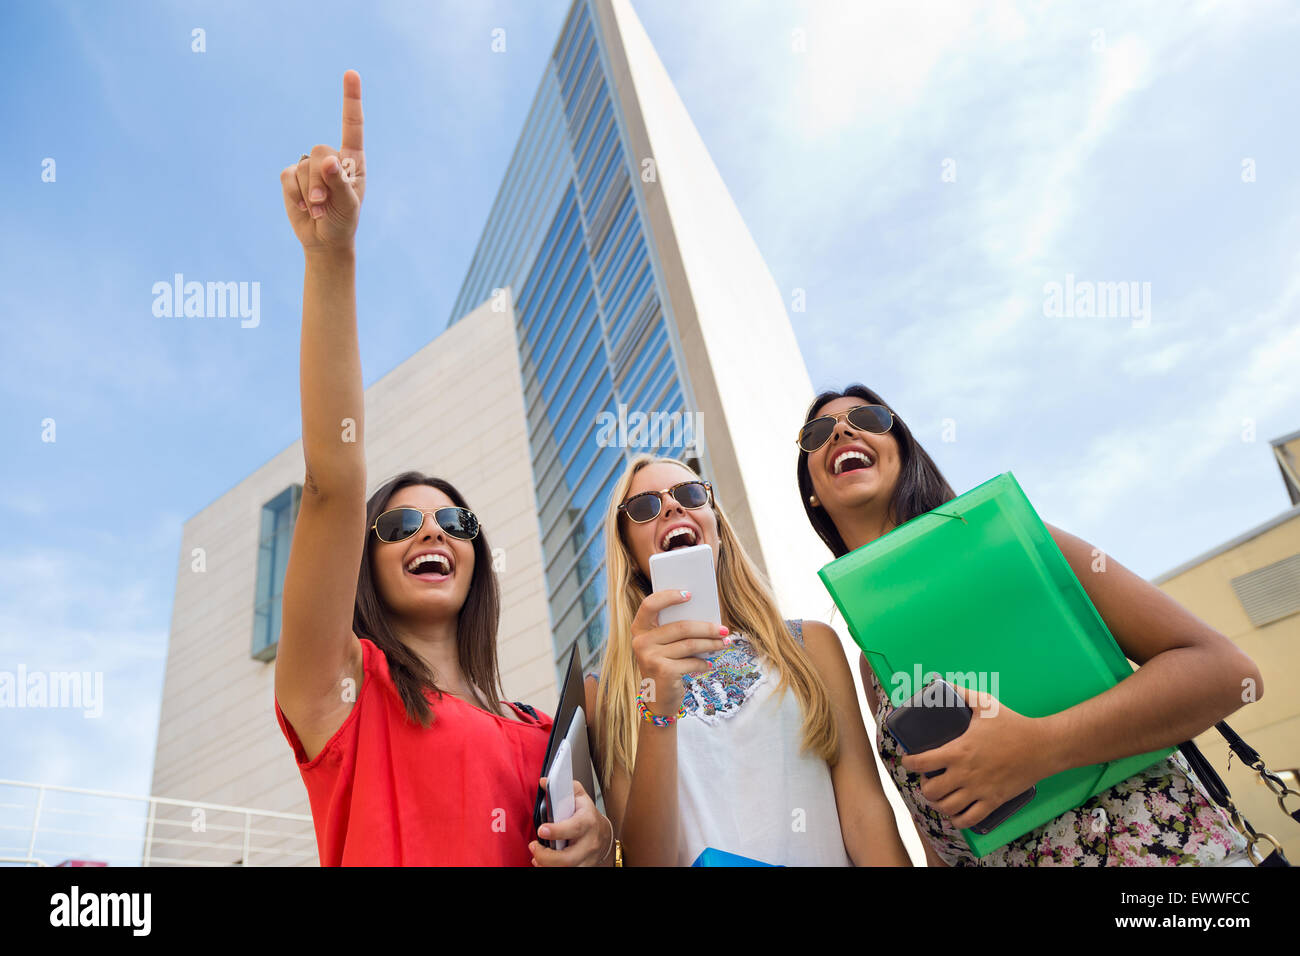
{"x": 352, "y": 119}
{"x": 936, "y": 758}
{"x": 656, "y": 601}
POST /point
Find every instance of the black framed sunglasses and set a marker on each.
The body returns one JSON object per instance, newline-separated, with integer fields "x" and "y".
{"x": 876, "y": 419}
{"x": 646, "y": 505}
{"x": 401, "y": 523}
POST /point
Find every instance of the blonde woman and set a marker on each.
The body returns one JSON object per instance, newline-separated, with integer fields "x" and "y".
{"x": 759, "y": 751}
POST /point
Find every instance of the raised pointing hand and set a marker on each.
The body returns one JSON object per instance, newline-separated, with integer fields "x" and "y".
{"x": 323, "y": 192}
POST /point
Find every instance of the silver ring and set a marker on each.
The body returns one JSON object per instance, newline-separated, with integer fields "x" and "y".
{"x": 302, "y": 157}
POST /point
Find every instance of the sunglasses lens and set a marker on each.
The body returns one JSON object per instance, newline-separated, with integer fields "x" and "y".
{"x": 457, "y": 522}
{"x": 814, "y": 434}
{"x": 692, "y": 495}
{"x": 871, "y": 418}
{"x": 398, "y": 525}
{"x": 643, "y": 508}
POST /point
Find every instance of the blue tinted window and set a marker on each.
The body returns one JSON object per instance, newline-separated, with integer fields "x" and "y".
{"x": 278, "y": 516}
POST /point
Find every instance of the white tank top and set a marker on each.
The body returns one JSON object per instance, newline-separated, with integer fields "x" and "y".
{"x": 742, "y": 784}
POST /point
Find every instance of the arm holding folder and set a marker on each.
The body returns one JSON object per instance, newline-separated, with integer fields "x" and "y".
{"x": 1190, "y": 676}
{"x": 982, "y": 586}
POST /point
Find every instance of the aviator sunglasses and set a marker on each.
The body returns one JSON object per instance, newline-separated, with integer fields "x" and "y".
{"x": 646, "y": 505}
{"x": 876, "y": 419}
{"x": 401, "y": 523}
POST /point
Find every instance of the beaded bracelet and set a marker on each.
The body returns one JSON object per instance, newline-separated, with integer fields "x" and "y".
{"x": 644, "y": 710}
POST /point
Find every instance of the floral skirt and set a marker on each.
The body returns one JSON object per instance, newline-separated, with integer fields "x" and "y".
{"x": 1161, "y": 816}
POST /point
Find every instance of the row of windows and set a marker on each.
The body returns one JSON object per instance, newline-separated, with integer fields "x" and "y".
{"x": 650, "y": 382}
{"x": 669, "y": 398}
{"x": 590, "y": 145}
{"x": 581, "y": 427}
{"x": 585, "y": 617}
{"x": 565, "y": 339}
{"x": 563, "y": 484}
{"x": 620, "y": 233}
{"x": 608, "y": 176}
{"x": 583, "y": 305}
{"x": 538, "y": 164}
{"x": 631, "y": 243}
{"x": 576, "y": 47}
{"x": 625, "y": 298}
{"x": 566, "y": 436}
{"x": 575, "y": 475}
{"x": 575, "y": 303}
{"x": 559, "y": 246}
{"x": 575, "y": 529}
{"x": 529, "y": 190}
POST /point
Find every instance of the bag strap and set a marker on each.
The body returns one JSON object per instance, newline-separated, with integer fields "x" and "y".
{"x": 531, "y": 712}
{"x": 1275, "y": 784}
{"x": 1218, "y": 791}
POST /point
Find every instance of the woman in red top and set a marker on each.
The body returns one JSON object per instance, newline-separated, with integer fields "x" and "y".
{"x": 386, "y": 681}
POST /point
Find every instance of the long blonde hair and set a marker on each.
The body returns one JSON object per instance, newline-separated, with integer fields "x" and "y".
{"x": 745, "y": 599}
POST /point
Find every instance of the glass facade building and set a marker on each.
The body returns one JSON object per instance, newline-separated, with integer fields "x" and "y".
{"x": 567, "y": 236}
{"x": 614, "y": 302}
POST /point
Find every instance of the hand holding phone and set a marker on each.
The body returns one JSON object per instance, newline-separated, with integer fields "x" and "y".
{"x": 688, "y": 569}
{"x": 666, "y": 651}
{"x": 933, "y": 716}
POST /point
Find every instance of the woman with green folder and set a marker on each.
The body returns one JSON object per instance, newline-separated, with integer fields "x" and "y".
{"x": 861, "y": 474}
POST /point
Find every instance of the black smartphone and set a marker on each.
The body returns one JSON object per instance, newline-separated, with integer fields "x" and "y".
{"x": 933, "y": 716}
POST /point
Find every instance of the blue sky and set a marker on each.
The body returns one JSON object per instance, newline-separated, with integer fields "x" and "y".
{"x": 1104, "y": 142}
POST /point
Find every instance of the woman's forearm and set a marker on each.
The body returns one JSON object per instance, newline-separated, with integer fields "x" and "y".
{"x": 1173, "y": 697}
{"x": 649, "y": 827}
{"x": 333, "y": 401}
{"x": 872, "y": 837}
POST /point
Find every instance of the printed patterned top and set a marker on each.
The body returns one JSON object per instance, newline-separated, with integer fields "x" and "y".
{"x": 744, "y": 784}
{"x": 718, "y": 693}
{"x": 1160, "y": 816}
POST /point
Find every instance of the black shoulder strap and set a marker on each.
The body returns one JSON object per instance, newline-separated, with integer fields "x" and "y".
{"x": 1218, "y": 790}
{"x": 528, "y": 710}
{"x": 1205, "y": 772}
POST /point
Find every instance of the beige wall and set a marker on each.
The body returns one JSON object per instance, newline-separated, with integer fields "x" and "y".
{"x": 1272, "y": 724}
{"x": 455, "y": 410}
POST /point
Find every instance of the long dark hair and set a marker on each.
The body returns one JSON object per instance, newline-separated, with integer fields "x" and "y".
{"x": 476, "y": 627}
{"x": 921, "y": 487}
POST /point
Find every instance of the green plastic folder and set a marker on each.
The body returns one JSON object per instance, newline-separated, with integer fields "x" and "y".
{"x": 977, "y": 592}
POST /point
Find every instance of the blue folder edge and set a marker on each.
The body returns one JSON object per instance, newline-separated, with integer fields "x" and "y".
{"x": 711, "y": 857}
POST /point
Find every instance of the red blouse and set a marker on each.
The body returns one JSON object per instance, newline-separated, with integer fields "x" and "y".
{"x": 385, "y": 791}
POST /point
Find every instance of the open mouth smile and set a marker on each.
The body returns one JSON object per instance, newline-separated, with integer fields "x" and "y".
{"x": 431, "y": 566}
{"x": 851, "y": 458}
{"x": 681, "y": 535}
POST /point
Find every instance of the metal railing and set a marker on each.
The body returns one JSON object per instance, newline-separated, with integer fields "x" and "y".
{"x": 54, "y": 824}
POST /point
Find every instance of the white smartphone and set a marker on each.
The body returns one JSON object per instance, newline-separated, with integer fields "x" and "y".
{"x": 688, "y": 569}
{"x": 560, "y": 804}
{"x": 559, "y": 789}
